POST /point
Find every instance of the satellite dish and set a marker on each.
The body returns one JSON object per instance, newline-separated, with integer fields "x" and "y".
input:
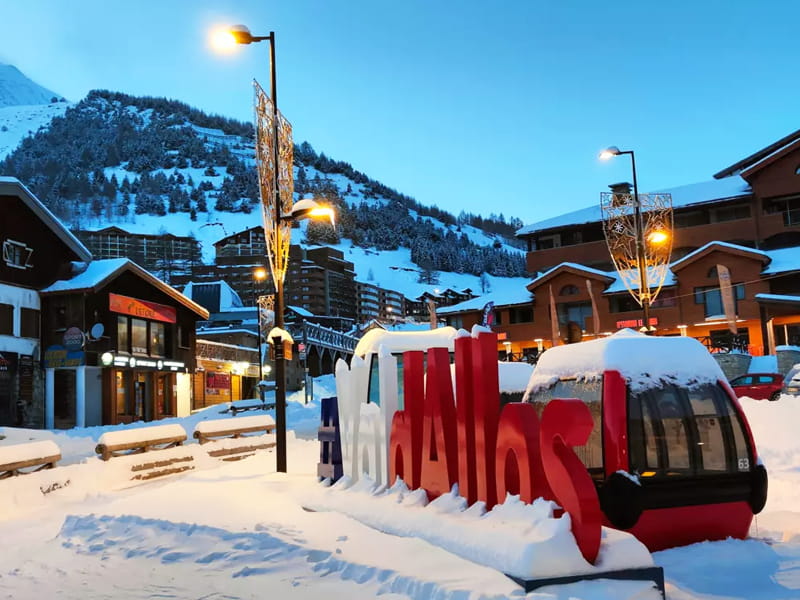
{"x": 96, "y": 331}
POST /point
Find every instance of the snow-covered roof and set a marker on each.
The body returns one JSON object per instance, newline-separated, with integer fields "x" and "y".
{"x": 400, "y": 341}
{"x": 100, "y": 272}
{"x": 653, "y": 276}
{"x": 643, "y": 360}
{"x": 685, "y": 195}
{"x": 11, "y": 186}
{"x": 229, "y": 300}
{"x": 783, "y": 260}
{"x": 301, "y": 311}
{"x": 504, "y": 298}
{"x": 710, "y": 245}
{"x": 778, "y": 298}
{"x": 569, "y": 265}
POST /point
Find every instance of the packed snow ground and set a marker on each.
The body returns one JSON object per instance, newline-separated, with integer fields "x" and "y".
{"x": 238, "y": 530}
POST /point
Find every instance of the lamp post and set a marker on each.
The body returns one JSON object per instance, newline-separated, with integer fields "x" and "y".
{"x": 653, "y": 228}
{"x": 278, "y": 242}
{"x": 644, "y": 286}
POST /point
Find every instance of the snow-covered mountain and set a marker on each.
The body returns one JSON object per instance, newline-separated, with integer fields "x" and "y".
{"x": 150, "y": 165}
{"x": 18, "y": 90}
{"x": 25, "y": 106}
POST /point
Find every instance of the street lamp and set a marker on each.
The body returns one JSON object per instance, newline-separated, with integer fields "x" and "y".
{"x": 274, "y": 161}
{"x": 259, "y": 275}
{"x": 651, "y": 248}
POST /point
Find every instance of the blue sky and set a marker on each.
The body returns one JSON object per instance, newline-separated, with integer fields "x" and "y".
{"x": 481, "y": 106}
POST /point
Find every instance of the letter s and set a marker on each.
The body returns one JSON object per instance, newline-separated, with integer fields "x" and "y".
{"x": 566, "y": 423}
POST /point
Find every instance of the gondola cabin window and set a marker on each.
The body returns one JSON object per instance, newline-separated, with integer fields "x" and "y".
{"x": 590, "y": 391}
{"x": 676, "y": 431}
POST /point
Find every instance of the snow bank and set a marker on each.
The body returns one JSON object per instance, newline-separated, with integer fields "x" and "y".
{"x": 28, "y": 451}
{"x": 519, "y": 539}
{"x": 239, "y": 423}
{"x": 141, "y": 434}
{"x": 400, "y": 341}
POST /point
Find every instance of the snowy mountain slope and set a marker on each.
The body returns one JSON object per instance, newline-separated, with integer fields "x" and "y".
{"x": 18, "y": 90}
{"x": 18, "y": 122}
{"x": 150, "y": 165}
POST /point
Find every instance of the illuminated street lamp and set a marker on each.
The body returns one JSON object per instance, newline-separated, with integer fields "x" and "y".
{"x": 637, "y": 231}
{"x": 274, "y": 149}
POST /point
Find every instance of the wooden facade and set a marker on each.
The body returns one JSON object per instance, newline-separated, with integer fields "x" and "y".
{"x": 36, "y": 251}
{"x": 119, "y": 346}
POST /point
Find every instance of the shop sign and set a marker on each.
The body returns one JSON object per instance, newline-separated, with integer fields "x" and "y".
{"x": 141, "y": 308}
{"x": 59, "y": 357}
{"x": 73, "y": 339}
{"x": 635, "y": 323}
{"x": 109, "y": 358}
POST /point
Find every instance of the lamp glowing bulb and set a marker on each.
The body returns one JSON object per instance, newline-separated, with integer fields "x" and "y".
{"x": 223, "y": 40}
{"x": 657, "y": 237}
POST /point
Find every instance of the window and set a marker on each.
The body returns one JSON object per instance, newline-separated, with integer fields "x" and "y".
{"x": 29, "y": 323}
{"x": 124, "y": 401}
{"x": 730, "y": 213}
{"x": 622, "y": 303}
{"x": 157, "y": 339}
{"x": 665, "y": 299}
{"x": 590, "y": 392}
{"x": 548, "y": 241}
{"x": 123, "y": 341}
{"x": 138, "y": 336}
{"x": 6, "y": 319}
{"x": 576, "y": 312}
{"x": 520, "y": 314}
{"x": 569, "y": 290}
{"x": 675, "y": 431}
{"x": 184, "y": 336}
{"x": 711, "y": 297}
{"x": 16, "y": 254}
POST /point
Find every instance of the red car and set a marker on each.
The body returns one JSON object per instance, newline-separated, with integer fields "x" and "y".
{"x": 759, "y": 386}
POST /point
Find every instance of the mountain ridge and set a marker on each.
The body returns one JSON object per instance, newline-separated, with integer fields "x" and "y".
{"x": 161, "y": 165}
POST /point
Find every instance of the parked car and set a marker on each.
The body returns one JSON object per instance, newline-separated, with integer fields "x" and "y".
{"x": 791, "y": 384}
{"x": 759, "y": 386}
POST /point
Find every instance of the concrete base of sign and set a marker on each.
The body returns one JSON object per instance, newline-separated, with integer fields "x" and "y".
{"x": 654, "y": 574}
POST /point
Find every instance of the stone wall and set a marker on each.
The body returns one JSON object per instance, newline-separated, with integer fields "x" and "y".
{"x": 787, "y": 359}
{"x": 733, "y": 365}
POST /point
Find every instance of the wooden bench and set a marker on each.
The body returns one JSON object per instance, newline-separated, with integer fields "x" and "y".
{"x": 28, "y": 457}
{"x": 250, "y": 432}
{"x": 132, "y": 442}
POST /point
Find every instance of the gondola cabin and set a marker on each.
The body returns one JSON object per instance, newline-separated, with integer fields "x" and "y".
{"x": 671, "y": 453}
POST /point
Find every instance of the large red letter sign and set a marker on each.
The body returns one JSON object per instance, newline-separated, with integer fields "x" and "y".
{"x": 518, "y": 464}
{"x": 568, "y": 423}
{"x": 465, "y": 417}
{"x": 486, "y": 392}
{"x": 405, "y": 446}
{"x": 439, "y": 469}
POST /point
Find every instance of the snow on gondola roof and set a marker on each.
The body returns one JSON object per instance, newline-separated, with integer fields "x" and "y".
{"x": 645, "y": 361}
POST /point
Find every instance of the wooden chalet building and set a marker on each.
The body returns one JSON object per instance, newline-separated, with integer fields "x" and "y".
{"x": 37, "y": 250}
{"x": 119, "y": 346}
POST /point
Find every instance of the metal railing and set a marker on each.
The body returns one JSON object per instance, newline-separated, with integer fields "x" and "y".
{"x": 328, "y": 338}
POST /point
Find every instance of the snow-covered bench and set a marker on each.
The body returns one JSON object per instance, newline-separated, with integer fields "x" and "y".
{"x": 167, "y": 440}
{"x": 237, "y": 438}
{"x": 28, "y": 457}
